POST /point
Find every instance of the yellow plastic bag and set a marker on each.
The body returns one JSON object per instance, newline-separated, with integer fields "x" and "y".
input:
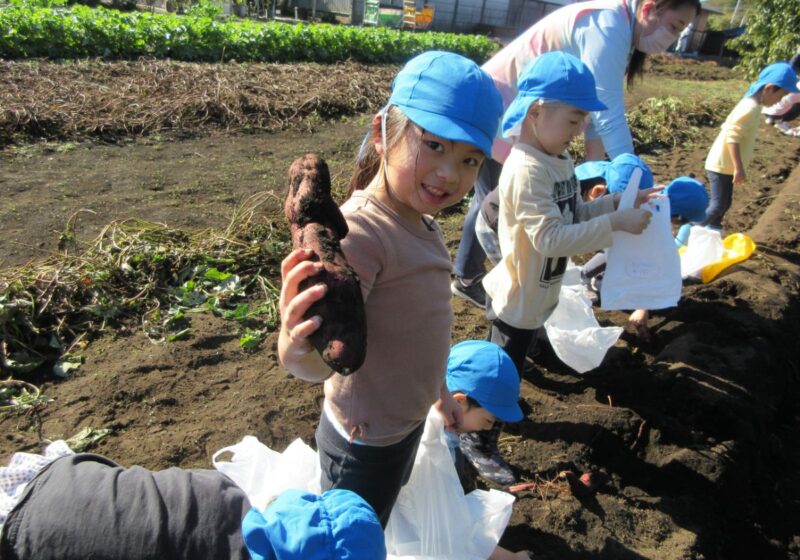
{"x": 738, "y": 247}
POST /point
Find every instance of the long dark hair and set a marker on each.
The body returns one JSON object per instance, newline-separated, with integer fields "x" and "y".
{"x": 368, "y": 160}
{"x": 636, "y": 63}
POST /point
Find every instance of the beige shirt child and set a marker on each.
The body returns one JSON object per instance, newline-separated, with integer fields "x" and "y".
{"x": 542, "y": 222}
{"x": 741, "y": 127}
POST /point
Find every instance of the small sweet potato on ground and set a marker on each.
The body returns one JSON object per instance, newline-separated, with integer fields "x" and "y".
{"x": 317, "y": 224}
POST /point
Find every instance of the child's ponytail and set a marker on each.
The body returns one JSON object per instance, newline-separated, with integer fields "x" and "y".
{"x": 368, "y": 161}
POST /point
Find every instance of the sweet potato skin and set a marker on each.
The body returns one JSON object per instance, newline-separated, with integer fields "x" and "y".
{"x": 316, "y": 223}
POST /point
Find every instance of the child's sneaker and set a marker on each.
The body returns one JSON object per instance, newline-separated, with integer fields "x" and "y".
{"x": 480, "y": 449}
{"x": 472, "y": 292}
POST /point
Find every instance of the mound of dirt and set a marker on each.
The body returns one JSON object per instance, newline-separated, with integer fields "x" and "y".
{"x": 690, "y": 68}
{"x": 117, "y": 100}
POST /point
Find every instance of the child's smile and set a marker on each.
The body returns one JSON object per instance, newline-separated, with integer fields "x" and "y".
{"x": 426, "y": 173}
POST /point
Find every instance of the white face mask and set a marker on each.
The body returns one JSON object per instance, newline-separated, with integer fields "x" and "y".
{"x": 656, "y": 42}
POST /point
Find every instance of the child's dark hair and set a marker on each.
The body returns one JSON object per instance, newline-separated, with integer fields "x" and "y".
{"x": 588, "y": 184}
{"x": 472, "y": 403}
{"x": 636, "y": 63}
{"x": 369, "y": 161}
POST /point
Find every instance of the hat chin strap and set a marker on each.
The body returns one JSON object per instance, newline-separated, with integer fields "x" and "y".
{"x": 383, "y": 113}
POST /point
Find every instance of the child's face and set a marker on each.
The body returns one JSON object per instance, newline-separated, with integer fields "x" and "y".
{"x": 772, "y": 94}
{"x": 552, "y": 128}
{"x": 427, "y": 173}
{"x": 476, "y": 419}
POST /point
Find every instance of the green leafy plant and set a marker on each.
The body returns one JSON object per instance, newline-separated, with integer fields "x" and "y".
{"x": 81, "y": 31}
{"x": 771, "y": 34}
{"x": 659, "y": 123}
{"x": 205, "y": 9}
{"x": 142, "y": 272}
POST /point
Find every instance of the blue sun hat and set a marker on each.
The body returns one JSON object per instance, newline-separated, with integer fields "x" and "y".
{"x": 780, "y": 74}
{"x": 449, "y": 96}
{"x": 298, "y": 525}
{"x": 591, "y": 170}
{"x": 619, "y": 172}
{"x": 687, "y": 198}
{"x": 554, "y": 76}
{"x": 483, "y": 371}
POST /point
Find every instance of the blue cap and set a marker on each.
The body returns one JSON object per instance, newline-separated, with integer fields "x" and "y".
{"x": 591, "y": 170}
{"x": 450, "y": 96}
{"x": 687, "y": 198}
{"x": 555, "y": 76}
{"x": 619, "y": 172}
{"x": 780, "y": 74}
{"x": 483, "y": 371}
{"x": 298, "y": 525}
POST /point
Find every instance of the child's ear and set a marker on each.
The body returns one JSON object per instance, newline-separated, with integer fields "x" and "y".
{"x": 533, "y": 110}
{"x": 375, "y": 129}
{"x": 460, "y": 397}
{"x": 648, "y": 9}
{"x": 597, "y": 191}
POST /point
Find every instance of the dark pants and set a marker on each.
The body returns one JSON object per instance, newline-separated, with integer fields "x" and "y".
{"x": 375, "y": 473}
{"x": 516, "y": 342}
{"x": 85, "y": 506}
{"x": 470, "y": 255}
{"x": 721, "y": 198}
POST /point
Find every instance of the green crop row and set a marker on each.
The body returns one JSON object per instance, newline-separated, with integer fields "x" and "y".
{"x": 80, "y": 31}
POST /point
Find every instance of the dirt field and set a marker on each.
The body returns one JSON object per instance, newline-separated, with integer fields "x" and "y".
{"x": 694, "y": 433}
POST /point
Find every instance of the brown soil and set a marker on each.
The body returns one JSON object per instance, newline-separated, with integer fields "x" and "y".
{"x": 694, "y": 434}
{"x": 710, "y": 68}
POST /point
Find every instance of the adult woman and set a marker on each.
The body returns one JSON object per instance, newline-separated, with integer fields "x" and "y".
{"x": 612, "y": 37}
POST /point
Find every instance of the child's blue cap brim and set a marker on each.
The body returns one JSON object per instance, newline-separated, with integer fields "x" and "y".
{"x": 298, "y": 525}
{"x": 591, "y": 170}
{"x": 780, "y": 74}
{"x": 450, "y": 128}
{"x": 484, "y": 372}
{"x": 518, "y": 109}
{"x": 687, "y": 198}
{"x": 450, "y": 96}
{"x": 554, "y": 76}
{"x": 619, "y": 171}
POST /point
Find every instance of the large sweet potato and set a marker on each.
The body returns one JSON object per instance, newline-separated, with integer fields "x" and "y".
{"x": 317, "y": 224}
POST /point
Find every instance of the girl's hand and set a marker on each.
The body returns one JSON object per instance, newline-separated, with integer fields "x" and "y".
{"x": 631, "y": 220}
{"x": 450, "y": 411}
{"x": 644, "y": 195}
{"x": 293, "y": 344}
{"x": 739, "y": 177}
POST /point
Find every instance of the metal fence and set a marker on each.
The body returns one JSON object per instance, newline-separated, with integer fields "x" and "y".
{"x": 509, "y": 16}
{"x": 341, "y": 7}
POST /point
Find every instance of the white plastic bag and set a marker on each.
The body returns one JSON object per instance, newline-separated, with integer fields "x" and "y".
{"x": 643, "y": 271}
{"x": 574, "y": 333}
{"x": 433, "y": 519}
{"x": 703, "y": 248}
{"x": 263, "y": 473}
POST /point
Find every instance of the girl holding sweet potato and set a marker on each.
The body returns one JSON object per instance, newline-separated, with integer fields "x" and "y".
{"x": 422, "y": 155}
